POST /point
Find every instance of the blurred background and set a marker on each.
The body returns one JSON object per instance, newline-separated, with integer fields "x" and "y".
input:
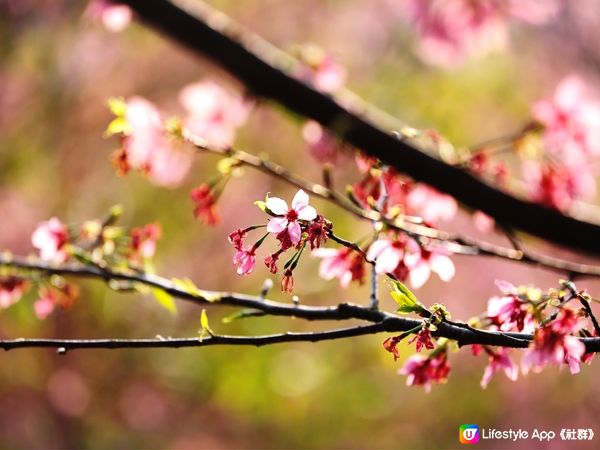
{"x": 57, "y": 69}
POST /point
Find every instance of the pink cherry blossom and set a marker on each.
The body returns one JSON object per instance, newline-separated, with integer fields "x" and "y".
{"x": 553, "y": 344}
{"x": 213, "y": 113}
{"x": 423, "y": 339}
{"x": 11, "y": 290}
{"x": 50, "y": 238}
{"x": 452, "y": 30}
{"x": 343, "y": 263}
{"x": 483, "y": 222}
{"x": 387, "y": 254}
{"x": 45, "y": 305}
{"x": 245, "y": 259}
{"x": 328, "y": 75}
{"x": 323, "y": 146}
{"x": 289, "y": 218}
{"x": 510, "y": 313}
{"x": 558, "y": 186}
{"x": 421, "y": 263}
{"x": 571, "y": 121}
{"x": 143, "y": 241}
{"x": 423, "y": 371}
{"x": 113, "y": 16}
{"x": 431, "y": 204}
{"x": 499, "y": 360}
{"x": 147, "y": 148}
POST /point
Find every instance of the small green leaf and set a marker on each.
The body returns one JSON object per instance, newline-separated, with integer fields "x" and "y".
{"x": 118, "y": 126}
{"x": 262, "y": 205}
{"x": 165, "y": 300}
{"x": 117, "y": 106}
{"x": 205, "y": 329}
{"x": 405, "y": 299}
{"x": 186, "y": 285}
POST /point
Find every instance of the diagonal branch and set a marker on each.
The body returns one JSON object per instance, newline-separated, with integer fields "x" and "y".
{"x": 262, "y": 68}
{"x": 464, "y": 245}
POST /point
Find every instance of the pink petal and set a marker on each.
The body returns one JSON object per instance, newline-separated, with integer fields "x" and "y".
{"x": 443, "y": 266}
{"x": 419, "y": 274}
{"x": 277, "y": 206}
{"x": 388, "y": 260}
{"x": 277, "y": 224}
{"x": 307, "y": 213}
{"x": 295, "y": 232}
{"x": 300, "y": 200}
{"x": 377, "y": 247}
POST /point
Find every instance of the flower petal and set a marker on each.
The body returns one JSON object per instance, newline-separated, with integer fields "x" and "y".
{"x": 443, "y": 266}
{"x": 300, "y": 200}
{"x": 419, "y": 274}
{"x": 295, "y": 232}
{"x": 277, "y": 224}
{"x": 388, "y": 260}
{"x": 277, "y": 206}
{"x": 307, "y": 213}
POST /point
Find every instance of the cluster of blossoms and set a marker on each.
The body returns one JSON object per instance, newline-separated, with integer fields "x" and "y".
{"x": 569, "y": 125}
{"x": 153, "y": 145}
{"x": 294, "y": 228}
{"x": 450, "y": 31}
{"x": 523, "y": 309}
{"x": 112, "y": 16}
{"x": 94, "y": 242}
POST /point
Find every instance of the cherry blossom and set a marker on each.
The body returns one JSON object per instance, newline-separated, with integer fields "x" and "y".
{"x": 510, "y": 313}
{"x": 45, "y": 305}
{"x": 145, "y": 144}
{"x": 571, "y": 122}
{"x": 483, "y": 222}
{"x": 245, "y": 260}
{"x": 499, "y": 360}
{"x": 11, "y": 290}
{"x": 213, "y": 113}
{"x": 431, "y": 204}
{"x": 423, "y": 371}
{"x": 143, "y": 241}
{"x": 387, "y": 254}
{"x": 553, "y": 344}
{"x": 205, "y": 204}
{"x": 343, "y": 263}
{"x": 452, "y": 30}
{"x": 287, "y": 282}
{"x": 288, "y": 218}
{"x": 113, "y": 16}
{"x": 423, "y": 339}
{"x": 420, "y": 264}
{"x": 50, "y": 238}
{"x": 323, "y": 146}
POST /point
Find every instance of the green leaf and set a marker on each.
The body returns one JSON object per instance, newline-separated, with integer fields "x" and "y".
{"x": 118, "y": 126}
{"x": 165, "y": 300}
{"x": 405, "y": 299}
{"x": 205, "y": 329}
{"x": 262, "y": 205}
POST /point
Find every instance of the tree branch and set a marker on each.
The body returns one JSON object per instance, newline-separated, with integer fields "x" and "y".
{"x": 262, "y": 68}
{"x": 381, "y": 320}
{"x": 464, "y": 245}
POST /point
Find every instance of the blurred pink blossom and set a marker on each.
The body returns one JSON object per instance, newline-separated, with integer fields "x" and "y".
{"x": 387, "y": 254}
{"x": 423, "y": 371}
{"x": 148, "y": 148}
{"x": 483, "y": 222}
{"x": 50, "y": 238}
{"x": 114, "y": 17}
{"x": 323, "y": 146}
{"x": 213, "y": 113}
{"x": 571, "y": 121}
{"x": 431, "y": 204}
{"x": 421, "y": 264}
{"x": 44, "y": 306}
{"x": 452, "y": 30}
{"x": 11, "y": 290}
{"x": 499, "y": 360}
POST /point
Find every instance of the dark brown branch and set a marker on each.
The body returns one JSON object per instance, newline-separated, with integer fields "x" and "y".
{"x": 261, "y": 68}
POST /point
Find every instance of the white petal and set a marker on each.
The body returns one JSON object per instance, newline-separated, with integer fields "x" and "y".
{"x": 300, "y": 200}
{"x": 376, "y": 248}
{"x": 277, "y": 206}
{"x": 307, "y": 213}
{"x": 419, "y": 274}
{"x": 388, "y": 260}
{"x": 443, "y": 266}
